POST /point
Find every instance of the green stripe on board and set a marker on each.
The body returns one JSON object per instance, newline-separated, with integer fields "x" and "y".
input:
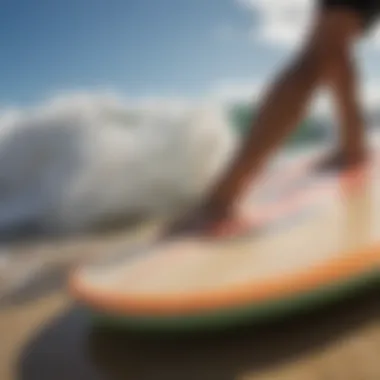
{"x": 264, "y": 311}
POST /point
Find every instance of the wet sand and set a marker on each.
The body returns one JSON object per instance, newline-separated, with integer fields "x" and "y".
{"x": 44, "y": 336}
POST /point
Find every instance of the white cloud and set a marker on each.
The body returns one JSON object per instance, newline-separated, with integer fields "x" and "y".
{"x": 286, "y": 23}
{"x": 280, "y": 22}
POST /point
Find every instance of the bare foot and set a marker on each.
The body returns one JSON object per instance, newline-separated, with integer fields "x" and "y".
{"x": 339, "y": 161}
{"x": 194, "y": 223}
{"x": 206, "y": 224}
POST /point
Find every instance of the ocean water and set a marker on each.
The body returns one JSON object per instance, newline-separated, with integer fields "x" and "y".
{"x": 79, "y": 161}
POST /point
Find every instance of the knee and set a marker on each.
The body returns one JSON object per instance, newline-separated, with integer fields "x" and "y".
{"x": 330, "y": 44}
{"x": 320, "y": 57}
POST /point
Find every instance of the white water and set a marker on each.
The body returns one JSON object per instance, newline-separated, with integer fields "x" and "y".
{"x": 78, "y": 161}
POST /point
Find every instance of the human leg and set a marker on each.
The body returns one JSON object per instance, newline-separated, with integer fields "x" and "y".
{"x": 342, "y": 80}
{"x": 287, "y": 102}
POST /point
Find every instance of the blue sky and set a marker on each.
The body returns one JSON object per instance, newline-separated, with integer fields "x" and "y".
{"x": 138, "y": 47}
{"x": 165, "y": 47}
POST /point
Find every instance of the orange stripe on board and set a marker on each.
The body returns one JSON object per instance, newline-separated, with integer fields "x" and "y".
{"x": 281, "y": 287}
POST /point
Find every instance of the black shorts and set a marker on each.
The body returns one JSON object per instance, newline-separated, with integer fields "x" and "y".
{"x": 369, "y": 10}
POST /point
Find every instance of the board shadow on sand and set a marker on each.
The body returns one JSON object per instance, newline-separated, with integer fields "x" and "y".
{"x": 69, "y": 348}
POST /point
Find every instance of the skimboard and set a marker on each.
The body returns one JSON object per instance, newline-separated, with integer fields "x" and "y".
{"x": 316, "y": 239}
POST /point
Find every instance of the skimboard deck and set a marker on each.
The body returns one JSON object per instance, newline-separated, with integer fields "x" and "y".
{"x": 318, "y": 239}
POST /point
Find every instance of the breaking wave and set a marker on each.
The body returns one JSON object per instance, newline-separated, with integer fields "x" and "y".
{"x": 78, "y": 161}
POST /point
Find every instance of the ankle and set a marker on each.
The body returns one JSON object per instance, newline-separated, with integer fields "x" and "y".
{"x": 356, "y": 153}
{"x": 216, "y": 209}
